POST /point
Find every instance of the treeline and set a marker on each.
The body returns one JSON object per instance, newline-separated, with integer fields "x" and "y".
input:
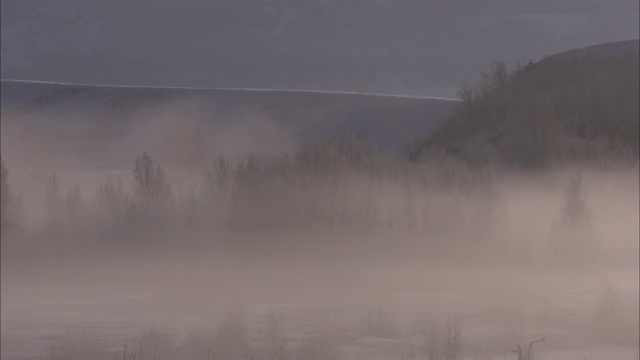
{"x": 545, "y": 114}
{"x": 340, "y": 190}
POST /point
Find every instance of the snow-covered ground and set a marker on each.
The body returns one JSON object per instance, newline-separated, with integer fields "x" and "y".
{"x": 375, "y": 312}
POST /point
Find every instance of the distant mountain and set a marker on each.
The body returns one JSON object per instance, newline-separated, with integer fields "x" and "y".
{"x": 104, "y": 127}
{"x": 414, "y": 47}
{"x": 576, "y": 104}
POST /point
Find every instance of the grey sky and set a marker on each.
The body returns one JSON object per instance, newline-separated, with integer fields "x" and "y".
{"x": 401, "y": 47}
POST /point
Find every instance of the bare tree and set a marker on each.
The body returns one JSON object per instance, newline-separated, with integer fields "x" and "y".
{"x": 114, "y": 207}
{"x": 575, "y": 210}
{"x": 431, "y": 344}
{"x": 53, "y": 197}
{"x": 112, "y": 198}
{"x": 353, "y": 152}
{"x": 466, "y": 94}
{"x": 7, "y": 198}
{"x": 150, "y": 186}
{"x": 453, "y": 341}
{"x": 444, "y": 343}
{"x": 73, "y": 201}
{"x": 499, "y": 73}
{"x": 217, "y": 179}
{"x": 56, "y": 225}
{"x": 216, "y": 189}
{"x": 535, "y": 127}
{"x": 524, "y": 355}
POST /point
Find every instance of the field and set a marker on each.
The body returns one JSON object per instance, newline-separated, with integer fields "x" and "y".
{"x": 196, "y": 308}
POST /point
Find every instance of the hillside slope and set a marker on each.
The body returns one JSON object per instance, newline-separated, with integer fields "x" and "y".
{"x": 578, "y": 104}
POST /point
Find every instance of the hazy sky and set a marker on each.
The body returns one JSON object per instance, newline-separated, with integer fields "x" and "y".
{"x": 403, "y": 47}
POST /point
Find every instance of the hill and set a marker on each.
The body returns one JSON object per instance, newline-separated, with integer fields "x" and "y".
{"x": 579, "y": 104}
{"x": 65, "y": 125}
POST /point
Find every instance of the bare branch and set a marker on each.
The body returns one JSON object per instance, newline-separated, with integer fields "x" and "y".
{"x": 531, "y": 345}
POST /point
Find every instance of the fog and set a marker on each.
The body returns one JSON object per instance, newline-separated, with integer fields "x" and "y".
{"x": 269, "y": 180}
{"x": 169, "y": 241}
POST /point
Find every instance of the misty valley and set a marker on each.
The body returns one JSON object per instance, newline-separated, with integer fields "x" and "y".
{"x": 171, "y": 223}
